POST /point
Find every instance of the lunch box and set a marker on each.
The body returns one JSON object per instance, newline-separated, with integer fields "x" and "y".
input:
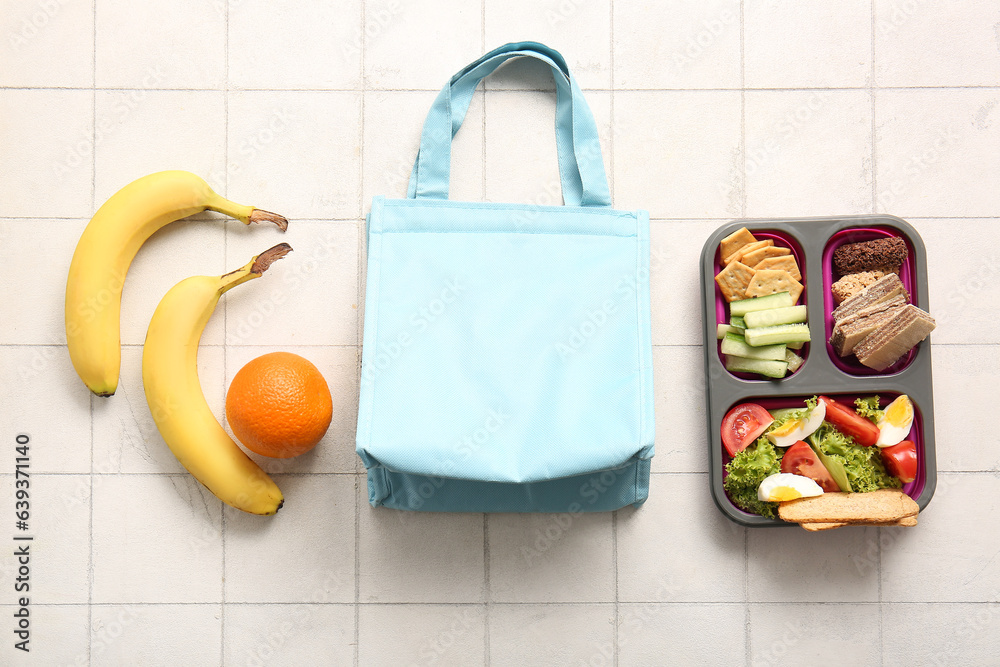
{"x": 812, "y": 242}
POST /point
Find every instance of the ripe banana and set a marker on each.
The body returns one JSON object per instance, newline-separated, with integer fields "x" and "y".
{"x": 105, "y": 251}
{"x": 175, "y": 398}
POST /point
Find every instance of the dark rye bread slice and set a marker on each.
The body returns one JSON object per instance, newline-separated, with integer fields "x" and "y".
{"x": 881, "y": 254}
{"x": 894, "y": 338}
{"x": 882, "y": 506}
{"x": 853, "y": 329}
{"x": 881, "y": 290}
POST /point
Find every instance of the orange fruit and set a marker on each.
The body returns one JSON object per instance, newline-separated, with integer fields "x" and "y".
{"x": 279, "y": 405}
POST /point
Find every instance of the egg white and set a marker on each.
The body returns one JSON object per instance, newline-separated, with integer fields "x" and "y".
{"x": 806, "y": 426}
{"x": 786, "y": 486}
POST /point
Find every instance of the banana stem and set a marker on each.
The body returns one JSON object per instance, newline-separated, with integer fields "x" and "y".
{"x": 243, "y": 213}
{"x": 259, "y": 215}
{"x": 255, "y": 268}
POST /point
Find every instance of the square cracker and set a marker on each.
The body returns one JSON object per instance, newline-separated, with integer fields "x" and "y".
{"x": 786, "y": 262}
{"x": 772, "y": 281}
{"x": 748, "y": 248}
{"x": 733, "y": 280}
{"x": 753, "y": 257}
{"x": 735, "y": 241}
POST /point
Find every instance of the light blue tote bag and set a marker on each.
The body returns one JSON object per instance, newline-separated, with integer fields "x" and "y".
{"x": 507, "y": 360}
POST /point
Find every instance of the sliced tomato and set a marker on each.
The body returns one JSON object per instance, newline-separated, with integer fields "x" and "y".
{"x": 901, "y": 460}
{"x": 742, "y": 425}
{"x": 800, "y": 459}
{"x": 850, "y": 423}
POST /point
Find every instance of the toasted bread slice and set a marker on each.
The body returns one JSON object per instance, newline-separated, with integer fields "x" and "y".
{"x": 882, "y": 506}
{"x": 814, "y": 527}
{"x": 906, "y": 521}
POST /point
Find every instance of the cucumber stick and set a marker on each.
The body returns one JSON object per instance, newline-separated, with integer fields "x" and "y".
{"x": 794, "y": 360}
{"x": 734, "y": 344}
{"x": 783, "y": 333}
{"x": 775, "y": 316}
{"x": 722, "y": 329}
{"x": 743, "y": 306}
{"x": 766, "y": 367}
{"x": 737, "y": 323}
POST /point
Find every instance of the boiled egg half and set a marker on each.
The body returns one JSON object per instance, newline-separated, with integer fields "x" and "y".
{"x": 786, "y": 486}
{"x": 896, "y": 422}
{"x": 794, "y": 430}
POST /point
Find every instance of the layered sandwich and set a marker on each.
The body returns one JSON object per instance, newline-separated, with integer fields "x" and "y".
{"x": 878, "y": 324}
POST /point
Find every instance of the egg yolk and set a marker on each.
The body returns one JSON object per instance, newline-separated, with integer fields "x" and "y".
{"x": 899, "y": 413}
{"x": 782, "y": 493}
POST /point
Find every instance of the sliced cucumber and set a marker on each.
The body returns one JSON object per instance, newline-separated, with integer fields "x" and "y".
{"x": 744, "y": 306}
{"x": 766, "y": 367}
{"x": 833, "y": 466}
{"x": 737, "y": 323}
{"x": 775, "y": 316}
{"x": 723, "y": 329}
{"x": 797, "y": 345}
{"x": 783, "y": 333}
{"x": 734, "y": 344}
{"x": 794, "y": 360}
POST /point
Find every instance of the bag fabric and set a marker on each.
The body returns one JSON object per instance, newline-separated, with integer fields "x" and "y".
{"x": 507, "y": 356}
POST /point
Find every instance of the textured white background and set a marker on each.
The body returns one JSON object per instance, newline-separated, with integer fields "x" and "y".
{"x": 707, "y": 110}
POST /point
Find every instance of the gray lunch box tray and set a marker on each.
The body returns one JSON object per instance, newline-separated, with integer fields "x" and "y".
{"x": 812, "y": 241}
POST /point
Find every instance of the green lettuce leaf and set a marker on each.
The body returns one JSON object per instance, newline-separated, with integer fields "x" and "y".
{"x": 783, "y": 415}
{"x": 745, "y": 473}
{"x": 863, "y": 464}
{"x": 868, "y": 407}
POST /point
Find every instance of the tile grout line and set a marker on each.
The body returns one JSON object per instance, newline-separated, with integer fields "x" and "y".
{"x": 616, "y": 638}
{"x": 871, "y": 93}
{"x": 747, "y": 637}
{"x": 486, "y": 517}
{"x": 93, "y": 201}
{"x": 585, "y": 89}
{"x": 225, "y": 323}
{"x": 874, "y": 162}
{"x": 359, "y": 339}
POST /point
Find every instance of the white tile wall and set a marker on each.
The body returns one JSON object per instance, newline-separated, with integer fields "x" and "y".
{"x": 707, "y": 111}
{"x": 807, "y": 45}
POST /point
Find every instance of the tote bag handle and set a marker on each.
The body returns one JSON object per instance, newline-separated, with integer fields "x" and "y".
{"x": 581, "y": 166}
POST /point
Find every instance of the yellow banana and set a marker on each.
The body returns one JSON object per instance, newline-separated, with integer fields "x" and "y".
{"x": 105, "y": 251}
{"x": 175, "y": 398}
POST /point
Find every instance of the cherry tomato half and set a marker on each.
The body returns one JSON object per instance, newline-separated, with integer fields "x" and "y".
{"x": 742, "y": 425}
{"x": 850, "y": 423}
{"x": 901, "y": 460}
{"x": 800, "y": 459}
